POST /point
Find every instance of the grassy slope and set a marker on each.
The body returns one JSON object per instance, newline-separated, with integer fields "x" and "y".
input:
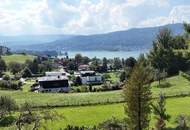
{"x": 179, "y": 84}
{"x": 17, "y": 58}
{"x": 93, "y": 115}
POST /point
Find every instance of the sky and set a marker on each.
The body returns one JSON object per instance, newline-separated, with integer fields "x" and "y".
{"x": 23, "y": 17}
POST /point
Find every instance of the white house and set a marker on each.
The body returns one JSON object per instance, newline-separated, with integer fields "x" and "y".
{"x": 90, "y": 77}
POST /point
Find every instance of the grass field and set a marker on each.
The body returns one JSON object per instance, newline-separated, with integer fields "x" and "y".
{"x": 93, "y": 115}
{"x": 17, "y": 58}
{"x": 179, "y": 85}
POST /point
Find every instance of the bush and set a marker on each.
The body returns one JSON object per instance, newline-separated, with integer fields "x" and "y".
{"x": 15, "y": 85}
{"x": 106, "y": 76}
{"x": 7, "y": 121}
{"x": 15, "y": 67}
{"x": 7, "y": 105}
{"x": 164, "y": 84}
{"x": 78, "y": 81}
{"x": 113, "y": 124}
{"x": 109, "y": 87}
{"x": 70, "y": 127}
{"x": 184, "y": 75}
{"x": 6, "y": 77}
{"x": 26, "y": 73}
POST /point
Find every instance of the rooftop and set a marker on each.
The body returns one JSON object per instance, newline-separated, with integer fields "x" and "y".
{"x": 52, "y": 78}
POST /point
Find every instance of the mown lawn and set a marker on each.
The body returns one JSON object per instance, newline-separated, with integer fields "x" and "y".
{"x": 178, "y": 85}
{"x": 17, "y": 58}
{"x": 93, "y": 115}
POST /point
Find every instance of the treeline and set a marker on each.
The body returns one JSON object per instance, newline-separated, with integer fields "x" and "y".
{"x": 96, "y": 64}
{"x": 12, "y": 72}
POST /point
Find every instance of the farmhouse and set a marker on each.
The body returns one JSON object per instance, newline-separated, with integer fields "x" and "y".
{"x": 54, "y": 82}
{"x": 89, "y": 77}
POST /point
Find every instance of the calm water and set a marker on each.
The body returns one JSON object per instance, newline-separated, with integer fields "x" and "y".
{"x": 107, "y": 54}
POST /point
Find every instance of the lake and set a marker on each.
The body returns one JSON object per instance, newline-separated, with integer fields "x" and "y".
{"x": 107, "y": 54}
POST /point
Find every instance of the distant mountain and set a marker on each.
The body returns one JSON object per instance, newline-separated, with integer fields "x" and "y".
{"x": 132, "y": 39}
{"x": 25, "y": 40}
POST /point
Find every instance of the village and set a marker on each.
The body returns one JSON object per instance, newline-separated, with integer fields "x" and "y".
{"x": 55, "y": 74}
{"x": 94, "y": 64}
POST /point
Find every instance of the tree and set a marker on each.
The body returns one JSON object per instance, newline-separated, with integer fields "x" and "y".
{"x": 162, "y": 56}
{"x": 78, "y": 59}
{"x": 117, "y": 64}
{"x": 85, "y": 60}
{"x": 125, "y": 74}
{"x": 71, "y": 65}
{"x": 26, "y": 72}
{"x": 35, "y": 66}
{"x": 15, "y": 67}
{"x": 186, "y": 27}
{"x": 130, "y": 62}
{"x": 160, "y": 112}
{"x": 104, "y": 65}
{"x": 3, "y": 66}
{"x": 179, "y": 43}
{"x": 137, "y": 96}
{"x": 95, "y": 64}
{"x": 158, "y": 76}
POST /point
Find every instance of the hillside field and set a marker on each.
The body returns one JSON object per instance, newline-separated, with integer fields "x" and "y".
{"x": 179, "y": 85}
{"x": 17, "y": 58}
{"x": 92, "y": 115}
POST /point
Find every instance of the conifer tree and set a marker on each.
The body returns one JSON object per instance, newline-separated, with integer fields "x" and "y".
{"x": 137, "y": 95}
{"x": 159, "y": 110}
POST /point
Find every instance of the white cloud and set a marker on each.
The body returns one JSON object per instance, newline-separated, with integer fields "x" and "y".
{"x": 85, "y": 17}
{"x": 178, "y": 14}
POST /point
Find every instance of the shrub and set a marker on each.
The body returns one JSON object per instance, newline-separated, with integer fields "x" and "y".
{"x": 7, "y": 121}
{"x": 15, "y": 85}
{"x": 164, "y": 84}
{"x": 7, "y": 105}
{"x": 26, "y": 73}
{"x": 183, "y": 122}
{"x": 113, "y": 124}
{"x": 184, "y": 75}
{"x": 15, "y": 67}
{"x": 70, "y": 127}
{"x": 6, "y": 77}
{"x": 78, "y": 81}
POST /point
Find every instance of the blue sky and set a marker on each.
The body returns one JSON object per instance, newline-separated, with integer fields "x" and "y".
{"x": 19, "y": 17}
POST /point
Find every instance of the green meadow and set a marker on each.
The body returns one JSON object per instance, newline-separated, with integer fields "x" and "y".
{"x": 93, "y": 115}
{"x": 17, "y": 58}
{"x": 179, "y": 86}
